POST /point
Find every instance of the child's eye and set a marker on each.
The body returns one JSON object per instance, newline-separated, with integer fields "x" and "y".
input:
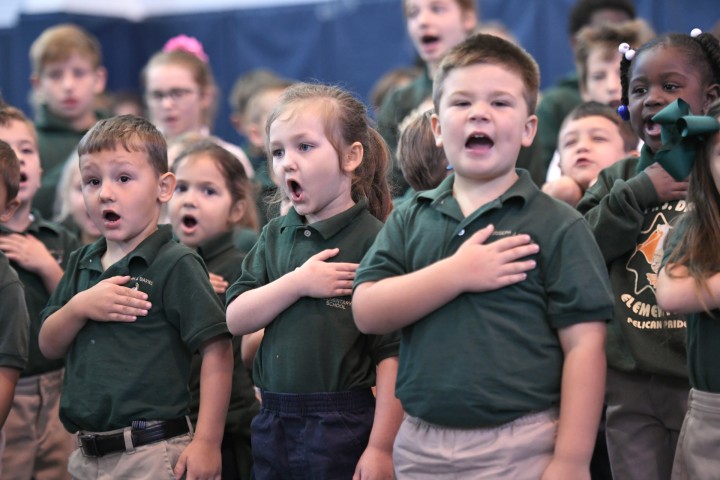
{"x": 209, "y": 191}
{"x": 569, "y": 143}
{"x": 599, "y": 139}
{"x": 460, "y": 103}
{"x": 180, "y": 188}
{"x": 54, "y": 74}
{"x": 94, "y": 182}
{"x": 27, "y": 151}
{"x": 500, "y": 103}
{"x": 278, "y": 153}
{"x": 80, "y": 72}
{"x": 671, "y": 87}
{"x": 638, "y": 91}
{"x": 124, "y": 178}
{"x": 304, "y": 147}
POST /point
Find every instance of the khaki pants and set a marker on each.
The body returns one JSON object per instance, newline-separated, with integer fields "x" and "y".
{"x": 37, "y": 445}
{"x": 521, "y": 449}
{"x": 696, "y": 456}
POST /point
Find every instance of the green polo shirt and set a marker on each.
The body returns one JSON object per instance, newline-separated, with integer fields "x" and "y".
{"x": 703, "y": 333}
{"x": 313, "y": 345}
{"x": 631, "y": 225}
{"x": 485, "y": 359}
{"x": 118, "y": 372}
{"x": 60, "y": 243}
{"x": 223, "y": 258}
{"x": 556, "y": 102}
{"x": 15, "y": 321}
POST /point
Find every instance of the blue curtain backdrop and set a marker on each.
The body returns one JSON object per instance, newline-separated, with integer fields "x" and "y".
{"x": 350, "y": 43}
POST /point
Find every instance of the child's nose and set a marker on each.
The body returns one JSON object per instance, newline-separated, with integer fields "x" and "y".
{"x": 478, "y": 111}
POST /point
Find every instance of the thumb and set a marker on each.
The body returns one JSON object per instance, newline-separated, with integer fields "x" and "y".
{"x": 325, "y": 254}
{"x": 481, "y": 235}
{"x": 180, "y": 466}
{"x": 118, "y": 279}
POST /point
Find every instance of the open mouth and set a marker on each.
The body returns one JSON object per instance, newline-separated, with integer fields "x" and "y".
{"x": 23, "y": 177}
{"x": 429, "y": 39}
{"x": 479, "y": 142}
{"x": 652, "y": 128}
{"x": 295, "y": 190}
{"x": 110, "y": 216}
{"x": 189, "y": 221}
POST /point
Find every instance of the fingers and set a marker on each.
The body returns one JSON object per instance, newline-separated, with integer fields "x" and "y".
{"x": 481, "y": 235}
{"x": 180, "y": 466}
{"x": 324, "y": 255}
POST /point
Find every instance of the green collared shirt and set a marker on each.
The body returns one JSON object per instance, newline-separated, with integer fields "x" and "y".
{"x": 485, "y": 359}
{"x": 15, "y": 321}
{"x": 60, "y": 243}
{"x": 118, "y": 372}
{"x": 313, "y": 345}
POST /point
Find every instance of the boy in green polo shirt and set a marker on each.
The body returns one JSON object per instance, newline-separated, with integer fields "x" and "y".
{"x": 16, "y": 323}
{"x": 129, "y": 313}
{"x": 502, "y": 360}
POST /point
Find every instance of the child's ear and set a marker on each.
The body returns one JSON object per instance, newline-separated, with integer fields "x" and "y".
{"x": 236, "y": 121}
{"x": 712, "y": 93}
{"x": 436, "y": 130}
{"x": 237, "y": 212}
{"x": 166, "y": 187}
{"x": 529, "y": 130}
{"x": 9, "y": 211}
{"x": 255, "y": 135}
{"x": 353, "y": 157}
{"x": 469, "y": 21}
{"x": 100, "y": 80}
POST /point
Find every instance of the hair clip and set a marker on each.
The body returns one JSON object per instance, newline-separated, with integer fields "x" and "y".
{"x": 695, "y": 32}
{"x": 627, "y": 52}
{"x": 187, "y": 44}
{"x": 624, "y": 112}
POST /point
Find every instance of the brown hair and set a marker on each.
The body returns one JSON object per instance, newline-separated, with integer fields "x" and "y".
{"x": 236, "y": 179}
{"x": 423, "y": 163}
{"x": 702, "y": 220}
{"x": 10, "y": 114}
{"x": 133, "y": 134}
{"x": 607, "y": 37}
{"x": 465, "y": 6}
{"x": 389, "y": 81}
{"x": 346, "y": 121}
{"x": 596, "y": 109}
{"x": 200, "y": 71}
{"x": 481, "y": 48}
{"x": 9, "y": 171}
{"x": 60, "y": 42}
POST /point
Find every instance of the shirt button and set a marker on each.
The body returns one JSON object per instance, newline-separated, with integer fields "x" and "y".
{"x": 307, "y": 233}
{"x": 461, "y": 232}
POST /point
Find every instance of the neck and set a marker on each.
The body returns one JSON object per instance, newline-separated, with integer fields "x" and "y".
{"x": 84, "y": 122}
{"x": 20, "y": 221}
{"x": 473, "y": 194}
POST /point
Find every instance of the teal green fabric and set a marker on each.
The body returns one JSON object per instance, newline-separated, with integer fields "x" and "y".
{"x": 703, "y": 333}
{"x": 15, "y": 321}
{"x": 313, "y": 345}
{"x": 683, "y": 136}
{"x": 56, "y": 141}
{"x": 60, "y": 243}
{"x": 118, "y": 372}
{"x": 485, "y": 359}
{"x": 631, "y": 225}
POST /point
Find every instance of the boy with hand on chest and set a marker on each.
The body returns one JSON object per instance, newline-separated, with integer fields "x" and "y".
{"x": 129, "y": 313}
{"x": 502, "y": 325}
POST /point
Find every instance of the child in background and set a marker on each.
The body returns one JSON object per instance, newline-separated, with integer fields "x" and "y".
{"x": 181, "y": 94}
{"x": 37, "y": 446}
{"x": 630, "y": 209}
{"x": 509, "y": 364}
{"x": 16, "y": 324}
{"x": 596, "y": 62}
{"x": 67, "y": 75}
{"x": 422, "y": 162}
{"x": 70, "y": 208}
{"x": 128, "y": 314}
{"x": 689, "y": 283}
{"x": 254, "y": 96}
{"x": 389, "y": 81}
{"x": 212, "y": 196}
{"x": 319, "y": 418}
{"x": 434, "y": 26}
{"x": 592, "y": 138}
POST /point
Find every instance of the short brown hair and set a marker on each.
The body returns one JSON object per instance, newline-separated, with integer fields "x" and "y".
{"x": 60, "y": 42}
{"x": 596, "y": 109}
{"x": 465, "y": 6}
{"x": 608, "y": 37}
{"x": 133, "y": 134}
{"x": 9, "y": 171}
{"x": 481, "y": 48}
{"x": 10, "y": 114}
{"x": 423, "y": 163}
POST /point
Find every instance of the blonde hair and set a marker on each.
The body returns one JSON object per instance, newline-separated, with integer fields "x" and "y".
{"x": 60, "y": 42}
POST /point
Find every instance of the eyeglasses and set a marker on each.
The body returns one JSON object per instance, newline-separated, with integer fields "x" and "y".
{"x": 175, "y": 94}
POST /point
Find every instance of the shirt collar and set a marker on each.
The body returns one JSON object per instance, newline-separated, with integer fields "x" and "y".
{"x": 326, "y": 228}
{"x": 148, "y": 249}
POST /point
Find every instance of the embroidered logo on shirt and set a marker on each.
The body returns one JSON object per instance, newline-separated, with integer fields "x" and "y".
{"x": 337, "y": 303}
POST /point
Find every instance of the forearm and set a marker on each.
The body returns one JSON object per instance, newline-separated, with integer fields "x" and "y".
{"x": 215, "y": 384}
{"x": 388, "y": 409}
{"x": 582, "y": 393}
{"x": 8, "y": 379}
{"x": 250, "y": 346}
{"x": 680, "y": 293}
{"x": 393, "y": 303}
{"x": 51, "y": 275}
{"x": 256, "y": 308}
{"x": 59, "y": 330}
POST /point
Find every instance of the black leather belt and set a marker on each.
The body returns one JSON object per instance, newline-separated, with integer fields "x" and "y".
{"x": 98, "y": 444}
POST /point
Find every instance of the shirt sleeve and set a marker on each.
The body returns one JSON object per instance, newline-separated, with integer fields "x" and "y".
{"x": 386, "y": 257}
{"x": 254, "y": 270}
{"x": 14, "y": 335}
